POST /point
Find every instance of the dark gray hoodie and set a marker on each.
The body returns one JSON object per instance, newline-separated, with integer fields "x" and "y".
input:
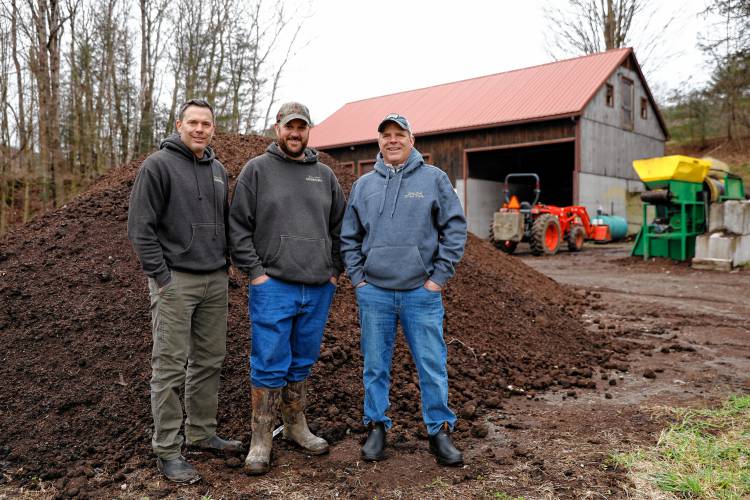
{"x": 285, "y": 218}
{"x": 178, "y": 210}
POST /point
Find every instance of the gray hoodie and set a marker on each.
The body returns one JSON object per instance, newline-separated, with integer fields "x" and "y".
{"x": 177, "y": 214}
{"x": 285, "y": 218}
{"x": 403, "y": 227}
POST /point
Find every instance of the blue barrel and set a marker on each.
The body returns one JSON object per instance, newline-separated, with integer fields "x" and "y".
{"x": 618, "y": 226}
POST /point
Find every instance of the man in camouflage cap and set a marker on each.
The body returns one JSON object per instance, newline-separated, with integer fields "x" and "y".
{"x": 284, "y": 227}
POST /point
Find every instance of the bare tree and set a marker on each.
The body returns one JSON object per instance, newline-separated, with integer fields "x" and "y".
{"x": 6, "y": 188}
{"x": 244, "y": 39}
{"x": 589, "y": 26}
{"x": 152, "y": 49}
{"x": 728, "y": 46}
{"x": 23, "y": 134}
{"x": 47, "y": 25}
{"x": 267, "y": 33}
{"x": 276, "y": 78}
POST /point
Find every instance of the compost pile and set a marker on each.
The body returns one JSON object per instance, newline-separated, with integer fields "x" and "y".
{"x": 76, "y": 340}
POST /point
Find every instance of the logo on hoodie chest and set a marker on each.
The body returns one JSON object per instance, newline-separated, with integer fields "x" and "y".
{"x": 314, "y": 178}
{"x": 414, "y": 194}
{"x": 219, "y": 180}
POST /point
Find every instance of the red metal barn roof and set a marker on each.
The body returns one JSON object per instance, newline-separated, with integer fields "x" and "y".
{"x": 557, "y": 89}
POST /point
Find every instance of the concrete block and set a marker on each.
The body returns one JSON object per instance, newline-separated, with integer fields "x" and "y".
{"x": 716, "y": 218}
{"x": 721, "y": 246}
{"x": 742, "y": 251}
{"x": 712, "y": 264}
{"x": 737, "y": 216}
{"x": 702, "y": 246}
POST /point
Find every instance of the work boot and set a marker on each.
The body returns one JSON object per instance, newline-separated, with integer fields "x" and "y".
{"x": 442, "y": 447}
{"x": 218, "y": 446}
{"x": 178, "y": 470}
{"x": 295, "y": 423}
{"x": 374, "y": 447}
{"x": 265, "y": 403}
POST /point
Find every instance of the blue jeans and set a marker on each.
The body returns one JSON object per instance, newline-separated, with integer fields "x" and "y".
{"x": 286, "y": 323}
{"x": 420, "y": 312}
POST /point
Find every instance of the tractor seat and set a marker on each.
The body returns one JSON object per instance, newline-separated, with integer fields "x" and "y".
{"x": 525, "y": 206}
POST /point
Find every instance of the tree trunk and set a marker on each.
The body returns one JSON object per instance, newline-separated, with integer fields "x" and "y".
{"x": 23, "y": 135}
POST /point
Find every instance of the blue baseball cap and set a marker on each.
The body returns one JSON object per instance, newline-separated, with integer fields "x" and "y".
{"x": 396, "y": 118}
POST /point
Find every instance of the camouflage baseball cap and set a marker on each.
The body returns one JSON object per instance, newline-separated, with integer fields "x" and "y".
{"x": 293, "y": 111}
{"x": 396, "y": 118}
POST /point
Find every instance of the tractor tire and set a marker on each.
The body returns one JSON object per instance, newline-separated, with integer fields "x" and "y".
{"x": 575, "y": 238}
{"x": 545, "y": 235}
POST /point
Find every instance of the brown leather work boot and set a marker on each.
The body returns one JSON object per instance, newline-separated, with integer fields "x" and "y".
{"x": 293, "y": 398}
{"x": 265, "y": 403}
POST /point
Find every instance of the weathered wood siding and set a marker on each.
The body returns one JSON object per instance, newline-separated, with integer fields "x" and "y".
{"x": 606, "y": 147}
{"x": 447, "y": 150}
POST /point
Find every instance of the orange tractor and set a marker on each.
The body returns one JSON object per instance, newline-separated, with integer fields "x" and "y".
{"x": 544, "y": 227}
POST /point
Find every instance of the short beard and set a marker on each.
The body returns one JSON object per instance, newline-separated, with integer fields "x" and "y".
{"x": 290, "y": 153}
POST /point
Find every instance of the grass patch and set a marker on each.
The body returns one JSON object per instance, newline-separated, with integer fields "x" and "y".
{"x": 503, "y": 496}
{"x": 705, "y": 455}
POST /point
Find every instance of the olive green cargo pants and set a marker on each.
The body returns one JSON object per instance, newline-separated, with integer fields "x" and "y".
{"x": 189, "y": 327}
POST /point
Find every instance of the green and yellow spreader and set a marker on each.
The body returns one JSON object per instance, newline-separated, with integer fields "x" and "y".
{"x": 680, "y": 190}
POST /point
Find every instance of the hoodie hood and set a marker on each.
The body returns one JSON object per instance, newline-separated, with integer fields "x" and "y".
{"x": 311, "y": 155}
{"x": 174, "y": 143}
{"x": 413, "y": 162}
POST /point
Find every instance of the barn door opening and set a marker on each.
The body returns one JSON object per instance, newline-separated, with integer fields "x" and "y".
{"x": 487, "y": 168}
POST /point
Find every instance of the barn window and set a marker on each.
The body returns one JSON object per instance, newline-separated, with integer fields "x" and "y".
{"x": 365, "y": 166}
{"x": 349, "y": 165}
{"x": 626, "y": 93}
{"x": 610, "y": 96}
{"x": 644, "y": 108}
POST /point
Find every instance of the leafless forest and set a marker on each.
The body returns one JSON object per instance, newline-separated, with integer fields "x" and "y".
{"x": 87, "y": 84}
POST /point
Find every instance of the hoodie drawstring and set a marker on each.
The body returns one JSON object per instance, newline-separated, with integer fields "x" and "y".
{"x": 216, "y": 208}
{"x": 398, "y": 188}
{"x": 197, "y": 184}
{"x": 385, "y": 190}
{"x": 213, "y": 186}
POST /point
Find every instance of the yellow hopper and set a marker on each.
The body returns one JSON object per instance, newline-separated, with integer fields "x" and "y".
{"x": 672, "y": 168}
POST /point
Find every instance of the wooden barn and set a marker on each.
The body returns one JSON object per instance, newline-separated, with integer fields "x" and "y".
{"x": 577, "y": 123}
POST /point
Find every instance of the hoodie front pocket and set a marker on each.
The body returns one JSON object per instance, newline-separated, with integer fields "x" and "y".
{"x": 307, "y": 260}
{"x": 395, "y": 264}
{"x": 207, "y": 247}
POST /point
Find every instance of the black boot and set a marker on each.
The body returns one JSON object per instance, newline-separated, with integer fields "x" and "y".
{"x": 218, "y": 446}
{"x": 375, "y": 444}
{"x": 178, "y": 470}
{"x": 442, "y": 447}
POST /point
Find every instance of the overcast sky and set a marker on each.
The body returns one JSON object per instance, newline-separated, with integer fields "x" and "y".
{"x": 361, "y": 49}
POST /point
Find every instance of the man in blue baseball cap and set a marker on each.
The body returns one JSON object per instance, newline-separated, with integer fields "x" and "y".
{"x": 403, "y": 233}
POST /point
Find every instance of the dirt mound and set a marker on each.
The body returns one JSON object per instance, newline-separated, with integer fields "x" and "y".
{"x": 75, "y": 329}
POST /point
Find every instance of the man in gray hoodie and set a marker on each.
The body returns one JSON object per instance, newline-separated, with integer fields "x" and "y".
{"x": 177, "y": 225}
{"x": 404, "y": 231}
{"x": 285, "y": 221}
